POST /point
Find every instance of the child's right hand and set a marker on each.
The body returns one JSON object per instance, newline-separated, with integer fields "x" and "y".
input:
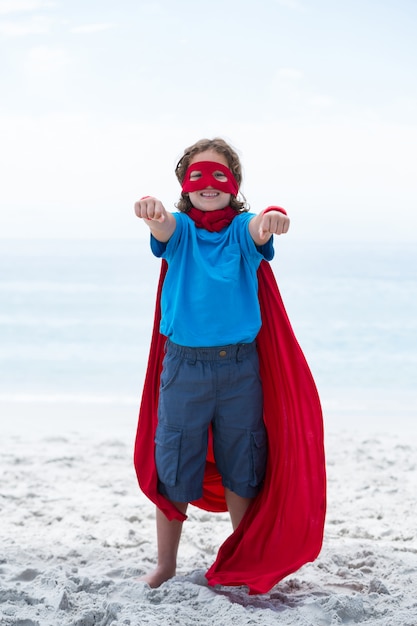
{"x": 149, "y": 208}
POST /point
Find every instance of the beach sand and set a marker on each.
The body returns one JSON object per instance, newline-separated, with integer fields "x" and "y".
{"x": 76, "y": 532}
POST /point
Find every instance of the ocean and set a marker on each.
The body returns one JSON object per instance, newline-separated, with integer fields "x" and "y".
{"x": 76, "y": 319}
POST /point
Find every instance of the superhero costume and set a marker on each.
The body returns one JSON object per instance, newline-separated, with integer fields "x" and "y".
{"x": 283, "y": 527}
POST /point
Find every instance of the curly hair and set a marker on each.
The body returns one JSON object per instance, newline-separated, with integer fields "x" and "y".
{"x": 221, "y": 147}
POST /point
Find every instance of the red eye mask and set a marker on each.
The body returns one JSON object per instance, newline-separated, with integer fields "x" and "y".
{"x": 208, "y": 177}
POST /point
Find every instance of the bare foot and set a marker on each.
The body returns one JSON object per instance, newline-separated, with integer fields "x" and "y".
{"x": 158, "y": 576}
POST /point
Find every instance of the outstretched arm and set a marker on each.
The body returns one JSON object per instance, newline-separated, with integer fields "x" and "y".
{"x": 269, "y": 222}
{"x": 160, "y": 221}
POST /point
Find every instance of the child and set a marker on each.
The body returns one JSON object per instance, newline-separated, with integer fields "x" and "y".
{"x": 206, "y": 424}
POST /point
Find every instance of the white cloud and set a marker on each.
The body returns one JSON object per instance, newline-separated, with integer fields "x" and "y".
{"x": 322, "y": 101}
{"x": 23, "y": 6}
{"x": 20, "y": 23}
{"x": 293, "y": 86}
{"x": 35, "y": 26}
{"x": 87, "y": 29}
{"x": 69, "y": 175}
{"x": 290, "y": 73}
{"x": 43, "y": 61}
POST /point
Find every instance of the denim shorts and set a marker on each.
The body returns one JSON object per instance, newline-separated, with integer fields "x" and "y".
{"x": 220, "y": 386}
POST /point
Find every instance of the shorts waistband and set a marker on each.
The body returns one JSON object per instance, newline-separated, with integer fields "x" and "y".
{"x": 236, "y": 351}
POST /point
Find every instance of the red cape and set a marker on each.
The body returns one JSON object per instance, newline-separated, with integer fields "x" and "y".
{"x": 283, "y": 528}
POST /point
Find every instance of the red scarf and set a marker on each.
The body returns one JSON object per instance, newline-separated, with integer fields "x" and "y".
{"x": 283, "y": 528}
{"x": 213, "y": 221}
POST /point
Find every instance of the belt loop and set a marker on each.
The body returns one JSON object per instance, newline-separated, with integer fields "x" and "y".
{"x": 192, "y": 356}
{"x": 238, "y": 357}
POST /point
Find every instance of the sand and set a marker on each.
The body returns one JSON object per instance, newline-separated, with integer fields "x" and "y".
{"x": 76, "y": 532}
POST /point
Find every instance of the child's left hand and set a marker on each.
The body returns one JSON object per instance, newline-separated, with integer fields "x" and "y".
{"x": 274, "y": 223}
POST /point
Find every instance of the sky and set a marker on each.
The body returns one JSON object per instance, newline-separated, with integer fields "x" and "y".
{"x": 99, "y": 98}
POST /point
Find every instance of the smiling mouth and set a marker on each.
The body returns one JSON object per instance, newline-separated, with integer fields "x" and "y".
{"x": 209, "y": 194}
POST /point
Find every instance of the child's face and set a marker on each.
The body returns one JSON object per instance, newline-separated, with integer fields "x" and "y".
{"x": 210, "y": 199}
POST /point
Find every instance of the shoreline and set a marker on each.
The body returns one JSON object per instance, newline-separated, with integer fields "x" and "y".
{"x": 391, "y": 413}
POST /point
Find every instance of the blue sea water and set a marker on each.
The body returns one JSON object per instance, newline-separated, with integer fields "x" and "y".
{"x": 76, "y": 318}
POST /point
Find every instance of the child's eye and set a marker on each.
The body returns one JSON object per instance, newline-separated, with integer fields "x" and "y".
{"x": 195, "y": 175}
{"x": 220, "y": 176}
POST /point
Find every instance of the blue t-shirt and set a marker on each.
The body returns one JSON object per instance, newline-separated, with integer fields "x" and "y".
{"x": 210, "y": 292}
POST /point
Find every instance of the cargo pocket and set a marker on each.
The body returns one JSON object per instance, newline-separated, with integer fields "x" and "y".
{"x": 167, "y": 454}
{"x": 258, "y": 454}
